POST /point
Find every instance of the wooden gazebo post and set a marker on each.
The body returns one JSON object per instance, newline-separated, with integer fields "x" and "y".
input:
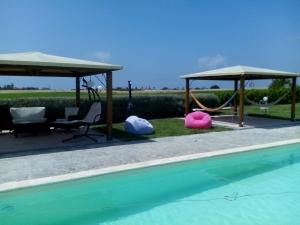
{"x": 294, "y": 96}
{"x": 242, "y": 96}
{"x": 77, "y": 90}
{"x": 235, "y": 98}
{"x": 187, "y": 96}
{"x": 109, "y": 105}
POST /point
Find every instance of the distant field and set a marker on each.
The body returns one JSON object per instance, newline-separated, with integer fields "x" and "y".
{"x": 38, "y": 94}
{"x": 32, "y": 94}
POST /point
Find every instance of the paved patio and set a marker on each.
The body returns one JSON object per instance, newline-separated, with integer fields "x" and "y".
{"x": 42, "y": 143}
{"x": 75, "y": 157}
{"x": 251, "y": 122}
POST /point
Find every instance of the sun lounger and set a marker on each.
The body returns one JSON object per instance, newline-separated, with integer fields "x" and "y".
{"x": 93, "y": 117}
{"x": 70, "y": 120}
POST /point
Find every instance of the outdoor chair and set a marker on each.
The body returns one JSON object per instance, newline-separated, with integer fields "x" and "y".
{"x": 264, "y": 104}
{"x": 29, "y": 119}
{"x": 93, "y": 117}
{"x": 71, "y": 114}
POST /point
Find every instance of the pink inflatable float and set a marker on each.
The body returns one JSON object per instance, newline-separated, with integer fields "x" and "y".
{"x": 198, "y": 120}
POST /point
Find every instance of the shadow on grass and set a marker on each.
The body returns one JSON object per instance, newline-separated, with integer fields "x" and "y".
{"x": 270, "y": 116}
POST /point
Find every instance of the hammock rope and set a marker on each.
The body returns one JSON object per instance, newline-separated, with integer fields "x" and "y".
{"x": 267, "y": 104}
{"x": 212, "y": 109}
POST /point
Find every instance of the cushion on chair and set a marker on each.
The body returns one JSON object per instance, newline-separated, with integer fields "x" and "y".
{"x": 23, "y": 121}
{"x": 197, "y": 120}
{"x": 29, "y": 119}
{"x": 71, "y": 112}
{"x": 28, "y": 114}
{"x": 136, "y": 125}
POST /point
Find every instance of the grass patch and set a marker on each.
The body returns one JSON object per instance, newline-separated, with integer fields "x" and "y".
{"x": 163, "y": 128}
{"x": 275, "y": 111}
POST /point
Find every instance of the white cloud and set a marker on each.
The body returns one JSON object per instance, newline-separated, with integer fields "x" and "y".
{"x": 102, "y": 56}
{"x": 211, "y": 62}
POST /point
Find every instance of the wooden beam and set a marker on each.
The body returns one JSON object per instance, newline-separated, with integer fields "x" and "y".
{"x": 294, "y": 98}
{"x": 77, "y": 80}
{"x": 242, "y": 96}
{"x": 187, "y": 96}
{"x": 109, "y": 105}
{"x": 235, "y": 98}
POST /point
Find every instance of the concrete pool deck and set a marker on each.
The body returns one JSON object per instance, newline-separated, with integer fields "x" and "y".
{"x": 14, "y": 168}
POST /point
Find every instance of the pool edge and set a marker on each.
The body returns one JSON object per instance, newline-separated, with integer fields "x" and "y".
{"x": 125, "y": 167}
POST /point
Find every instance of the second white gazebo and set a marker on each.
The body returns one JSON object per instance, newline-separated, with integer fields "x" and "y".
{"x": 239, "y": 74}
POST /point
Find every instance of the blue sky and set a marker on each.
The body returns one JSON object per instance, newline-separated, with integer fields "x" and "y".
{"x": 156, "y": 40}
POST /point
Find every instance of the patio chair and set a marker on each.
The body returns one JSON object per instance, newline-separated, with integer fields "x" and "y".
{"x": 93, "y": 117}
{"x": 29, "y": 119}
{"x": 71, "y": 114}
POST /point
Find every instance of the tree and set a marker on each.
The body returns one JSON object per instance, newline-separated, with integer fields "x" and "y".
{"x": 279, "y": 83}
{"x": 8, "y": 87}
{"x": 214, "y": 87}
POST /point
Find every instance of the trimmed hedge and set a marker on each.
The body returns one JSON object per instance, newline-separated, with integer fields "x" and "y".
{"x": 257, "y": 94}
{"x": 54, "y": 108}
{"x": 149, "y": 106}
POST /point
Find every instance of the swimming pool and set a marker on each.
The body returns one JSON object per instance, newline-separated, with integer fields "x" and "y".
{"x": 256, "y": 187}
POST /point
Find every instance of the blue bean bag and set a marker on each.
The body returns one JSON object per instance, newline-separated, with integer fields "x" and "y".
{"x": 136, "y": 125}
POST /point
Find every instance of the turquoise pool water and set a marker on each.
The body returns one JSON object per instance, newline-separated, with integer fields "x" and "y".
{"x": 258, "y": 187}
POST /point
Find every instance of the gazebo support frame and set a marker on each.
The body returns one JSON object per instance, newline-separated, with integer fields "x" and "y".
{"x": 235, "y": 97}
{"x": 109, "y": 115}
{"x": 187, "y": 96}
{"x": 37, "y": 64}
{"x": 242, "y": 97}
{"x": 294, "y": 98}
{"x": 77, "y": 84}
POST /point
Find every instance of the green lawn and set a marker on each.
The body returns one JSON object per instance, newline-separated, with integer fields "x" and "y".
{"x": 163, "y": 128}
{"x": 275, "y": 111}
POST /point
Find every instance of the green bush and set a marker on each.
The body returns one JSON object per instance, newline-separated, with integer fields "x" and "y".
{"x": 257, "y": 95}
{"x": 149, "y": 107}
{"x": 273, "y": 95}
{"x": 208, "y": 99}
{"x": 54, "y": 107}
{"x": 157, "y": 106}
{"x": 223, "y": 96}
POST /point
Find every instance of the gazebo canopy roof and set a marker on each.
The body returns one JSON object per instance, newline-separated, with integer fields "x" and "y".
{"x": 40, "y": 64}
{"x": 235, "y": 72}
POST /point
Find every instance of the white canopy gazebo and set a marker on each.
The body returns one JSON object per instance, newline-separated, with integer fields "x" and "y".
{"x": 38, "y": 64}
{"x": 240, "y": 74}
